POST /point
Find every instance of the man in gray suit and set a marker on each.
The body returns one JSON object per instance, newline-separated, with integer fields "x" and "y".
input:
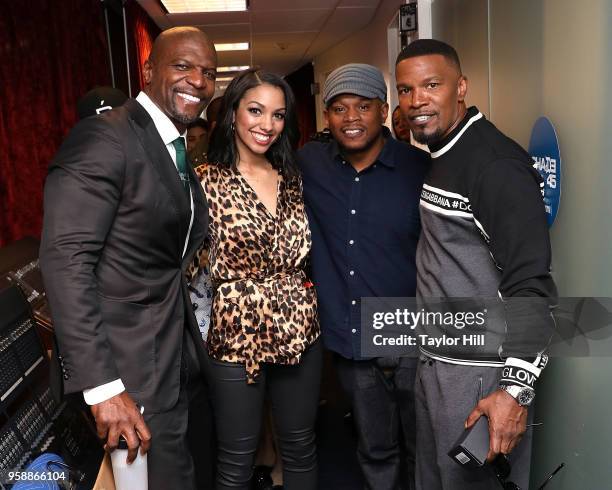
{"x": 124, "y": 214}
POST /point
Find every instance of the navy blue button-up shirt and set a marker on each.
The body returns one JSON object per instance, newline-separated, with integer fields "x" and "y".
{"x": 365, "y": 228}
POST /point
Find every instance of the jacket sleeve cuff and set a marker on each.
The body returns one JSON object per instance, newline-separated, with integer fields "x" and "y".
{"x": 103, "y": 392}
{"x": 520, "y": 372}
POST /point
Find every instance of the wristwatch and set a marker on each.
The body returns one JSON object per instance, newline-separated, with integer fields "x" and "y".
{"x": 523, "y": 396}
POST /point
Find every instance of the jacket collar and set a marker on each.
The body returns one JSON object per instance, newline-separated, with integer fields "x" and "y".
{"x": 441, "y": 147}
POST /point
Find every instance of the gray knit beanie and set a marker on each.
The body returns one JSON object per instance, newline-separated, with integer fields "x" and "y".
{"x": 356, "y": 79}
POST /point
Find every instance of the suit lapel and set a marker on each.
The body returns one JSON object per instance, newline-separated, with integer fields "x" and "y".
{"x": 162, "y": 164}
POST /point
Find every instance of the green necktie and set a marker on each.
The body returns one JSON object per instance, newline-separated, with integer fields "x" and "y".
{"x": 181, "y": 162}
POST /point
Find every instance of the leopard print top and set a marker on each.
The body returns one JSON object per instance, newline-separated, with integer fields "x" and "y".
{"x": 264, "y": 308}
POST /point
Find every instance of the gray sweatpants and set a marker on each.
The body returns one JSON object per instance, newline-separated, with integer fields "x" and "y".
{"x": 445, "y": 395}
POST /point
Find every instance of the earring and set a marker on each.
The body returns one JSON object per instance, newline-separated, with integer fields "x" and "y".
{"x": 233, "y": 127}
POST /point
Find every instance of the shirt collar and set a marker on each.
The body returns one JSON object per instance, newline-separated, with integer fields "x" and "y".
{"x": 385, "y": 156}
{"x": 165, "y": 127}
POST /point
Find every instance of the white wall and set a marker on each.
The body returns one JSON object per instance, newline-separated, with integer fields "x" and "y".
{"x": 516, "y": 66}
{"x": 576, "y": 75}
{"x": 366, "y": 46}
{"x": 577, "y": 71}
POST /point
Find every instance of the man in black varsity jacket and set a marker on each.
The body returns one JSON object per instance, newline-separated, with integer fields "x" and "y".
{"x": 484, "y": 236}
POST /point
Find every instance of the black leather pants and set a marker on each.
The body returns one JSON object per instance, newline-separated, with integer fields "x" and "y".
{"x": 294, "y": 395}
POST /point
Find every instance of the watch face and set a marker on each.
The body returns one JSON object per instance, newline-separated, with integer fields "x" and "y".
{"x": 525, "y": 397}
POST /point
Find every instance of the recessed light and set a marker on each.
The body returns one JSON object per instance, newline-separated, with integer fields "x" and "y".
{"x": 231, "y": 46}
{"x": 192, "y": 6}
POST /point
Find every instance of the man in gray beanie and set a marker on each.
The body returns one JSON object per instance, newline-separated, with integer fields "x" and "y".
{"x": 362, "y": 193}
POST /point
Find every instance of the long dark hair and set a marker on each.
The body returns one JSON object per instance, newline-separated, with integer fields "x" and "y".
{"x": 222, "y": 149}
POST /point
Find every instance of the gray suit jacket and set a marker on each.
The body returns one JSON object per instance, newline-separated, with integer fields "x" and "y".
{"x": 115, "y": 221}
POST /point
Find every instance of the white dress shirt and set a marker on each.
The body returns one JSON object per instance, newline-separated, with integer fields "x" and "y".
{"x": 168, "y": 133}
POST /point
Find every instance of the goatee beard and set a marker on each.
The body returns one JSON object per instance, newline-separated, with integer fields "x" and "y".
{"x": 184, "y": 118}
{"x": 426, "y": 139}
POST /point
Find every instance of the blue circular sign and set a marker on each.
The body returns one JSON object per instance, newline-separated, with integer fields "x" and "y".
{"x": 544, "y": 150}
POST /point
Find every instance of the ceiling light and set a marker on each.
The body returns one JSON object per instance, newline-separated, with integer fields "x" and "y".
{"x": 192, "y": 6}
{"x": 231, "y": 46}
{"x": 224, "y": 79}
{"x": 233, "y": 68}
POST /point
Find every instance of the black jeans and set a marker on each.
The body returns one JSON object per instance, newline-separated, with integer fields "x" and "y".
{"x": 382, "y": 400}
{"x": 238, "y": 406}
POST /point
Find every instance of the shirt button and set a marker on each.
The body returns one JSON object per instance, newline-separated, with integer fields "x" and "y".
{"x": 353, "y": 302}
{"x": 352, "y": 273}
{"x": 353, "y": 211}
{"x": 351, "y": 242}
{"x": 354, "y": 330}
{"x": 356, "y": 179}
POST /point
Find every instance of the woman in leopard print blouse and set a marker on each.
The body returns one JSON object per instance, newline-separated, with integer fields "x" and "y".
{"x": 264, "y": 326}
